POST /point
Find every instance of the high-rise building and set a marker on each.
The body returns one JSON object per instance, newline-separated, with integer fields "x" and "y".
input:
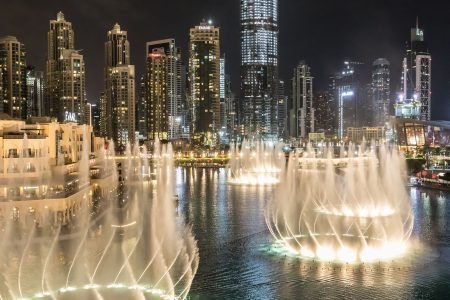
{"x": 142, "y": 109}
{"x": 259, "y": 66}
{"x": 104, "y": 118}
{"x": 381, "y": 91}
{"x": 164, "y": 90}
{"x": 204, "y": 82}
{"x": 35, "y": 92}
{"x": 117, "y": 48}
{"x": 123, "y": 105}
{"x": 230, "y": 108}
{"x": 223, "y": 107}
{"x": 119, "y": 88}
{"x": 72, "y": 93}
{"x": 302, "y": 117}
{"x": 324, "y": 112}
{"x": 65, "y": 76}
{"x": 282, "y": 112}
{"x": 14, "y": 85}
{"x": 416, "y": 75}
{"x": 96, "y": 119}
{"x": 351, "y": 98}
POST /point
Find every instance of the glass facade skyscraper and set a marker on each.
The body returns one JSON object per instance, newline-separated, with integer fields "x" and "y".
{"x": 416, "y": 75}
{"x": 259, "y": 66}
{"x": 381, "y": 91}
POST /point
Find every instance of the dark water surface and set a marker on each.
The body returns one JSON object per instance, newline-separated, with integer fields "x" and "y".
{"x": 237, "y": 260}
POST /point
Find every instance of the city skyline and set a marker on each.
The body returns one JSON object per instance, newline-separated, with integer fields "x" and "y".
{"x": 368, "y": 41}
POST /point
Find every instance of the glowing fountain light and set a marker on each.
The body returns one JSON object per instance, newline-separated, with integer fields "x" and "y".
{"x": 255, "y": 163}
{"x": 347, "y": 207}
{"x": 135, "y": 242}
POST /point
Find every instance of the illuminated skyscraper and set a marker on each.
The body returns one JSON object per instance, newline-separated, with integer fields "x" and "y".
{"x": 119, "y": 88}
{"x": 416, "y": 75}
{"x": 223, "y": 110}
{"x": 381, "y": 91}
{"x": 259, "y": 66}
{"x": 123, "y": 104}
{"x": 142, "y": 109}
{"x": 72, "y": 94}
{"x": 13, "y": 78}
{"x": 204, "y": 82}
{"x": 65, "y": 77}
{"x": 350, "y": 97}
{"x": 164, "y": 90}
{"x": 302, "y": 102}
{"x": 35, "y": 92}
{"x": 282, "y": 111}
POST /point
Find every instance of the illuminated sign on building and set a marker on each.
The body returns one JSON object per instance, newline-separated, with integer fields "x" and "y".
{"x": 70, "y": 117}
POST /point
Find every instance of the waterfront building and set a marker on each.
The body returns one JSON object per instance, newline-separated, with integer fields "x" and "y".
{"x": 164, "y": 90}
{"x": 359, "y": 134}
{"x": 42, "y": 163}
{"x": 259, "y": 67}
{"x": 13, "y": 77}
{"x": 204, "y": 83}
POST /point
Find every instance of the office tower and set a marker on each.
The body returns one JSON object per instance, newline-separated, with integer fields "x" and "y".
{"x": 282, "y": 113}
{"x": 204, "y": 82}
{"x": 123, "y": 105}
{"x": 416, "y": 75}
{"x": 351, "y": 98}
{"x": 119, "y": 88}
{"x": 302, "y": 117}
{"x": 381, "y": 91}
{"x": 185, "y": 112}
{"x": 223, "y": 110}
{"x": 65, "y": 76}
{"x": 104, "y": 118}
{"x": 72, "y": 92}
{"x": 164, "y": 90}
{"x": 142, "y": 109}
{"x": 14, "y": 85}
{"x": 231, "y": 115}
{"x": 96, "y": 113}
{"x": 259, "y": 66}
{"x": 324, "y": 112}
{"x": 35, "y": 92}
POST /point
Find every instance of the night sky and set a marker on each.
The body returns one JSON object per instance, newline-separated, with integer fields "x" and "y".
{"x": 322, "y": 32}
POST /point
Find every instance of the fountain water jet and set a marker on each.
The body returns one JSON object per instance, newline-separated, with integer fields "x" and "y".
{"x": 348, "y": 207}
{"x": 255, "y": 163}
{"x": 129, "y": 243}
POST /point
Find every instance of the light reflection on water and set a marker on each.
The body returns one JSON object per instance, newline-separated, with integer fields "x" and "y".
{"x": 236, "y": 261}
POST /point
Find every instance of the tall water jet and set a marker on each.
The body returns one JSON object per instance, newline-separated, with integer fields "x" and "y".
{"x": 255, "y": 162}
{"x": 118, "y": 237}
{"x": 350, "y": 206}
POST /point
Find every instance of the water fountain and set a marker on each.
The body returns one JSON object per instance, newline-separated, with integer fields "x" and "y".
{"x": 351, "y": 206}
{"x": 123, "y": 241}
{"x": 255, "y": 163}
